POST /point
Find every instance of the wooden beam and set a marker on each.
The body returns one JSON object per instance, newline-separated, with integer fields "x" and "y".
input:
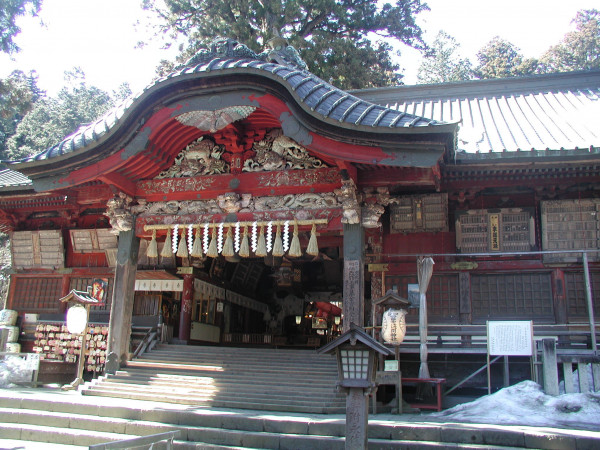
{"x": 120, "y": 182}
{"x": 257, "y": 183}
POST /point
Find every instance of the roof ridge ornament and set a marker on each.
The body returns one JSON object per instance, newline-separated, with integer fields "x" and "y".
{"x": 277, "y": 51}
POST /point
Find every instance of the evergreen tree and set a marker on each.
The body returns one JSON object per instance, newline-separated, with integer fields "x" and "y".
{"x": 444, "y": 64}
{"x": 10, "y": 10}
{"x": 500, "y": 59}
{"x": 332, "y": 36}
{"x": 578, "y": 50}
{"x": 18, "y": 94}
{"x": 51, "y": 119}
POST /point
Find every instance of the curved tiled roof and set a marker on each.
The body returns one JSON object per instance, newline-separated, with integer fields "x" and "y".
{"x": 535, "y": 113}
{"x": 318, "y": 97}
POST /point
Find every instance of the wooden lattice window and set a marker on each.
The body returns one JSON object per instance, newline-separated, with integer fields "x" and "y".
{"x": 576, "y": 299}
{"x": 40, "y": 249}
{"x": 36, "y": 295}
{"x": 81, "y": 284}
{"x": 512, "y": 296}
{"x": 442, "y": 295}
{"x": 93, "y": 241}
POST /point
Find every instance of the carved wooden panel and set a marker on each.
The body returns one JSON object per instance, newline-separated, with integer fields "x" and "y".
{"x": 37, "y": 249}
{"x": 416, "y": 213}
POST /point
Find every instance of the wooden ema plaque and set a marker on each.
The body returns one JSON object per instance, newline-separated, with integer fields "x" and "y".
{"x": 570, "y": 225}
{"x": 498, "y": 230}
{"x": 417, "y": 213}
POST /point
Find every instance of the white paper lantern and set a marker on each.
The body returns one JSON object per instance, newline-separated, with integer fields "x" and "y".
{"x": 393, "y": 326}
{"x": 76, "y": 319}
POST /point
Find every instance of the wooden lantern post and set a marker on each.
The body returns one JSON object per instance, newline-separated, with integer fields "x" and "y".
{"x": 85, "y": 300}
{"x": 391, "y": 300}
{"x": 356, "y": 353}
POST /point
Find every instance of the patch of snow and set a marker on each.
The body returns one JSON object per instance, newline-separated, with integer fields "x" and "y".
{"x": 525, "y": 404}
{"x": 13, "y": 369}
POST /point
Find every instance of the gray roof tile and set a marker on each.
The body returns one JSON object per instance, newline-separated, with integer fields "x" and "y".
{"x": 316, "y": 94}
{"x": 557, "y": 111}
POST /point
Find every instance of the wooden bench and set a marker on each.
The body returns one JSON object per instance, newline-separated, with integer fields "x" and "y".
{"x": 438, "y": 391}
{"x": 390, "y": 378}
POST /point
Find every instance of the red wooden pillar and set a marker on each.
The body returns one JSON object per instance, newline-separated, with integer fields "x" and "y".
{"x": 185, "y": 318}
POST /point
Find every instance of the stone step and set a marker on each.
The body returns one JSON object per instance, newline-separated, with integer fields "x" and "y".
{"x": 265, "y": 367}
{"x": 87, "y": 430}
{"x": 191, "y": 376}
{"x": 15, "y": 444}
{"x": 236, "y": 402}
{"x": 317, "y": 361}
{"x": 68, "y": 417}
{"x": 197, "y": 384}
{"x": 56, "y": 435}
{"x": 217, "y": 389}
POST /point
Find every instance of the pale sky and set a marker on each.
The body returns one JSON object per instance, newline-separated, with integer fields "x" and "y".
{"x": 99, "y": 36}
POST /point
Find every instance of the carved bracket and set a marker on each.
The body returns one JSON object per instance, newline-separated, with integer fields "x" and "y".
{"x": 119, "y": 212}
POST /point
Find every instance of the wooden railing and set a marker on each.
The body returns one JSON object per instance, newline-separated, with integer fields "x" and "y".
{"x": 442, "y": 338}
{"x": 552, "y": 362}
{"x": 247, "y": 338}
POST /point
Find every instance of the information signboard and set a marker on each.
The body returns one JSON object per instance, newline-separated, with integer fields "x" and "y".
{"x": 510, "y": 338}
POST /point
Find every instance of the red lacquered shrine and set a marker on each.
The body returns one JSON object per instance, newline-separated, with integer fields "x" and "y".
{"x": 242, "y": 200}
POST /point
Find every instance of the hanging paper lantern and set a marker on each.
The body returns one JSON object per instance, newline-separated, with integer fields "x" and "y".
{"x": 196, "y": 251}
{"x": 261, "y": 247}
{"x": 77, "y": 319}
{"x": 244, "y": 251}
{"x": 278, "y": 245}
{"x": 152, "y": 251}
{"x": 182, "y": 249}
{"x": 228, "y": 246}
{"x": 167, "y": 250}
{"x": 212, "y": 247}
{"x": 295, "y": 249}
{"x": 313, "y": 248}
{"x": 393, "y": 327}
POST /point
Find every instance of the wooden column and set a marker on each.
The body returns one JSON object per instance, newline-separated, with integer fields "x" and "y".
{"x": 354, "y": 276}
{"x": 357, "y": 419}
{"x": 119, "y": 330}
{"x": 185, "y": 318}
{"x": 550, "y": 366}
{"x": 559, "y": 298}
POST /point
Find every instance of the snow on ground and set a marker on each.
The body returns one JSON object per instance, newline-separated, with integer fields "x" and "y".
{"x": 526, "y": 403}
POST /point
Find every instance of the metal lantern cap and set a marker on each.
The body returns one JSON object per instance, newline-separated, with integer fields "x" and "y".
{"x": 81, "y": 298}
{"x": 355, "y": 351}
{"x": 353, "y": 336}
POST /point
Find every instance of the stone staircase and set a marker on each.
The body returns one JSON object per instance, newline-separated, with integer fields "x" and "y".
{"x": 290, "y": 380}
{"x": 51, "y": 419}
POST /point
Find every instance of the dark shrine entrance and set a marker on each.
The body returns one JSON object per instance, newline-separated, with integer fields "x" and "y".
{"x": 269, "y": 301}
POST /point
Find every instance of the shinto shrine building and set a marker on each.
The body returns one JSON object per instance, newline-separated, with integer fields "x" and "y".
{"x": 243, "y": 201}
